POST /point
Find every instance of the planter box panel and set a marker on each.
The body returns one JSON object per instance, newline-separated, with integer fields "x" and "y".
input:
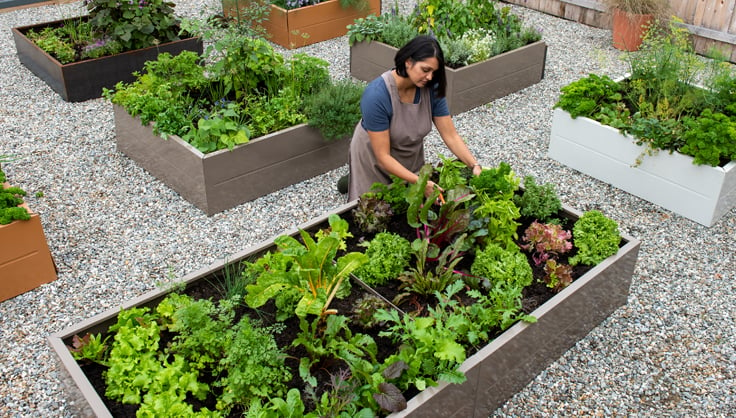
{"x": 495, "y": 373}
{"x": 469, "y": 86}
{"x": 173, "y": 161}
{"x": 368, "y": 60}
{"x": 698, "y": 192}
{"x": 226, "y": 178}
{"x": 84, "y": 80}
{"x": 25, "y": 259}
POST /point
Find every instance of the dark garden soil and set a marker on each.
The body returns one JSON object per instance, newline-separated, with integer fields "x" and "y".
{"x": 533, "y": 296}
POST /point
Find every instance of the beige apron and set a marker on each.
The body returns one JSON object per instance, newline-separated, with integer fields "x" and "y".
{"x": 409, "y": 125}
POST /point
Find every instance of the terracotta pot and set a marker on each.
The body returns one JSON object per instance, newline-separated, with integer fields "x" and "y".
{"x": 629, "y": 29}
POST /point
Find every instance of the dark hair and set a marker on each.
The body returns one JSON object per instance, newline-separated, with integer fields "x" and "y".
{"x": 419, "y": 49}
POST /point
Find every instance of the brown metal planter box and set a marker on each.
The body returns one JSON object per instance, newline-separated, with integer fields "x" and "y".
{"x": 84, "y": 80}
{"x": 322, "y": 21}
{"x": 223, "y": 179}
{"x": 25, "y": 259}
{"x": 495, "y": 373}
{"x": 469, "y": 86}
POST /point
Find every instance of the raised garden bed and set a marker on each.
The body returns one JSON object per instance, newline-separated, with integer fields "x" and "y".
{"x": 223, "y": 179}
{"x": 494, "y": 373}
{"x": 307, "y": 25}
{"x": 698, "y": 192}
{"x": 25, "y": 259}
{"x": 84, "y": 80}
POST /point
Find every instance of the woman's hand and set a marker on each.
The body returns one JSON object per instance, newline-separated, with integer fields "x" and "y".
{"x": 477, "y": 169}
{"x": 430, "y": 188}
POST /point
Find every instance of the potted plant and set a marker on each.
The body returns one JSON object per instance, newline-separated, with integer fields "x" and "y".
{"x": 245, "y": 124}
{"x": 296, "y": 23}
{"x": 301, "y": 275}
{"x": 78, "y": 57}
{"x": 655, "y": 134}
{"x": 631, "y": 18}
{"x": 489, "y": 53}
{"x": 25, "y": 259}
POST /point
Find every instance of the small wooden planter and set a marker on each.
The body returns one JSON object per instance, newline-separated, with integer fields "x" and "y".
{"x": 25, "y": 259}
{"x": 469, "y": 86}
{"x": 223, "y": 179}
{"x": 698, "y": 192}
{"x": 495, "y": 373}
{"x": 307, "y": 25}
{"x": 84, "y": 80}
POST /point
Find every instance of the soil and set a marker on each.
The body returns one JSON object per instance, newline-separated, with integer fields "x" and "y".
{"x": 533, "y": 296}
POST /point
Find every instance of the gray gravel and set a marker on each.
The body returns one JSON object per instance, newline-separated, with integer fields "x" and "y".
{"x": 116, "y": 232}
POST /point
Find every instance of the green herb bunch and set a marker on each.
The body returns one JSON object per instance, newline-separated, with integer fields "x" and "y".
{"x": 10, "y": 198}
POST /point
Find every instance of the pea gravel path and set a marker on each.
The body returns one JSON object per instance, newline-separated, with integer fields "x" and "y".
{"x": 116, "y": 232}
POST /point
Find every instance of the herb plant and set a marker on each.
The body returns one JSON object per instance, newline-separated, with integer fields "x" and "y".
{"x": 539, "y": 201}
{"x": 672, "y": 100}
{"x": 10, "y": 198}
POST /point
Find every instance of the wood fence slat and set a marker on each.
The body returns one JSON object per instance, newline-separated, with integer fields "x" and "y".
{"x": 699, "y": 11}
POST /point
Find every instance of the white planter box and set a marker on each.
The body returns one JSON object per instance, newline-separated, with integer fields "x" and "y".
{"x": 698, "y": 192}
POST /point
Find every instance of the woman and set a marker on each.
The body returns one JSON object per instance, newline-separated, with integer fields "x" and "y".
{"x": 398, "y": 110}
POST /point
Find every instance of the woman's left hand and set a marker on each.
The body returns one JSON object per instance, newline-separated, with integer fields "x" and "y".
{"x": 477, "y": 169}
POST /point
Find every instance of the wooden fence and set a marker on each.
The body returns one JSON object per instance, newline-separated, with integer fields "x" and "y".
{"x": 712, "y": 23}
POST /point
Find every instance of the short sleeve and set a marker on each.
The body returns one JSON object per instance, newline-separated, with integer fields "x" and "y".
{"x": 439, "y": 105}
{"x": 375, "y": 106}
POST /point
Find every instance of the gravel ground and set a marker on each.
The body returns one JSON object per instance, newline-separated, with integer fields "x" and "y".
{"x": 116, "y": 232}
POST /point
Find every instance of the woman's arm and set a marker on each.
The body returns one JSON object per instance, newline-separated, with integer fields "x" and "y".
{"x": 455, "y": 143}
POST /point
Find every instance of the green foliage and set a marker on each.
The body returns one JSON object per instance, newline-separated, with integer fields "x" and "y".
{"x": 241, "y": 88}
{"x": 496, "y": 182}
{"x": 224, "y": 128}
{"x": 314, "y": 270}
{"x": 495, "y": 264}
{"x": 335, "y": 108}
{"x": 710, "y": 138}
{"x": 499, "y": 308}
{"x": 10, "y": 198}
{"x": 596, "y": 237}
{"x": 490, "y": 30}
{"x": 430, "y": 345}
{"x": 538, "y": 201}
{"x": 420, "y": 278}
{"x": 388, "y": 255}
{"x": 661, "y": 103}
{"x": 452, "y": 173}
{"x": 91, "y": 347}
{"x": 589, "y": 96}
{"x": 134, "y": 24}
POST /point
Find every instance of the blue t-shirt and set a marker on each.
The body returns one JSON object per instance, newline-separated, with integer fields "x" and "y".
{"x": 376, "y": 109}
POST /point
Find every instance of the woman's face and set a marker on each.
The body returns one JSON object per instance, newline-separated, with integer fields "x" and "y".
{"x": 421, "y": 72}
